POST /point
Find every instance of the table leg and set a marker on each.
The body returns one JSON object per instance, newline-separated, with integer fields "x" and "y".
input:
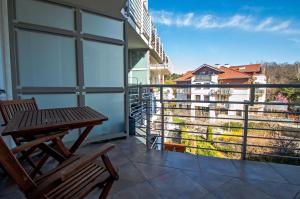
{"x": 81, "y": 138}
{"x": 61, "y": 147}
{"x": 52, "y": 152}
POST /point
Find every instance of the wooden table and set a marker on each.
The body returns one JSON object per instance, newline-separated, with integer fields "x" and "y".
{"x": 29, "y": 124}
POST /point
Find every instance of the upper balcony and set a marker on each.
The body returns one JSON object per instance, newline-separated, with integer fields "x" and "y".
{"x": 202, "y": 78}
{"x": 162, "y": 68}
{"x": 145, "y": 34}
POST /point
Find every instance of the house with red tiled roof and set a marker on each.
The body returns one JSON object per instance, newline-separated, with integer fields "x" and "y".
{"x": 208, "y": 74}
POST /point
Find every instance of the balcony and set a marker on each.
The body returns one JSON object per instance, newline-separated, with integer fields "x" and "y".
{"x": 222, "y": 91}
{"x": 141, "y": 22}
{"x": 163, "y": 68}
{"x": 200, "y": 78}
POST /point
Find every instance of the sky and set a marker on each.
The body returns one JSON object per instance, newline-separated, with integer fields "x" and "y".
{"x": 234, "y": 32}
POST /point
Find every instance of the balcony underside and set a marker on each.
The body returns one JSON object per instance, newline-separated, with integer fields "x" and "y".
{"x": 135, "y": 41}
{"x": 152, "y": 174}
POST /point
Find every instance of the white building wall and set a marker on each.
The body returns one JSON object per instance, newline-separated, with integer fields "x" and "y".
{"x": 238, "y": 95}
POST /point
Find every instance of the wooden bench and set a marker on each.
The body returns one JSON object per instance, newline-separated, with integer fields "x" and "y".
{"x": 74, "y": 178}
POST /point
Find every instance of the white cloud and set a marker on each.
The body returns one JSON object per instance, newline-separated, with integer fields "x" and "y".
{"x": 264, "y": 24}
{"x": 243, "y": 22}
{"x": 296, "y": 41}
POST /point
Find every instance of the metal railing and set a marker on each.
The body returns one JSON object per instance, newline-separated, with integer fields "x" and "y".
{"x": 238, "y": 127}
{"x": 146, "y": 23}
{"x": 135, "y": 9}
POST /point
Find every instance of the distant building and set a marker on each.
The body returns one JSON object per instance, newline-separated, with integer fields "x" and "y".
{"x": 207, "y": 74}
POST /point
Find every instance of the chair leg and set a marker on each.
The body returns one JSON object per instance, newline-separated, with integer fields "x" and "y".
{"x": 2, "y": 172}
{"x": 40, "y": 164}
{"x": 26, "y": 154}
{"x": 106, "y": 189}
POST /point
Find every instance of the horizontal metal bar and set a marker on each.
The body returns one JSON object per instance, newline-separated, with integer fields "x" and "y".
{"x": 47, "y": 90}
{"x": 260, "y": 129}
{"x": 227, "y": 118}
{"x": 102, "y": 39}
{"x": 229, "y": 102}
{"x": 103, "y": 90}
{"x": 221, "y": 109}
{"x": 271, "y": 147}
{"x": 44, "y": 29}
{"x": 230, "y": 135}
{"x": 210, "y": 149}
{"x": 217, "y": 142}
{"x": 269, "y": 138}
{"x": 295, "y": 85}
{"x": 274, "y": 155}
{"x": 201, "y": 133}
{"x": 201, "y": 117}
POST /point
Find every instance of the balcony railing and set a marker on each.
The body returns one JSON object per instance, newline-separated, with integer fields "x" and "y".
{"x": 222, "y": 91}
{"x": 136, "y": 11}
{"x": 146, "y": 23}
{"x": 241, "y": 128}
{"x": 203, "y": 78}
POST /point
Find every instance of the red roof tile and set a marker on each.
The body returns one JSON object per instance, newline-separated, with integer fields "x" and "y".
{"x": 185, "y": 77}
{"x": 252, "y": 68}
{"x": 229, "y": 73}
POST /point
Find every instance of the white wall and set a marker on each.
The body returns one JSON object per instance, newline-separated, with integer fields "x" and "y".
{"x": 238, "y": 95}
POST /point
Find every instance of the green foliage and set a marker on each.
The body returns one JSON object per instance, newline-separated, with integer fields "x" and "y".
{"x": 209, "y": 133}
{"x": 228, "y": 126}
{"x": 202, "y": 146}
{"x": 172, "y": 76}
{"x": 178, "y": 120}
{"x": 169, "y": 81}
{"x": 293, "y": 94}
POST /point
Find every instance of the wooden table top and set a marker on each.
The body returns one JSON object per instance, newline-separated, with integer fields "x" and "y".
{"x": 28, "y": 123}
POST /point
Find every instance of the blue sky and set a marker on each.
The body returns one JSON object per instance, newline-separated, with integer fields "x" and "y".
{"x": 227, "y": 31}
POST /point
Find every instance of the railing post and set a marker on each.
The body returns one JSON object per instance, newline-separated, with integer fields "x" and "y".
{"x": 162, "y": 110}
{"x": 245, "y": 131}
{"x": 140, "y": 92}
{"x": 148, "y": 123}
{"x": 252, "y": 96}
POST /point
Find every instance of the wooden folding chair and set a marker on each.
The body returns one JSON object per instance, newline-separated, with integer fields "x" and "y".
{"x": 8, "y": 109}
{"x": 74, "y": 178}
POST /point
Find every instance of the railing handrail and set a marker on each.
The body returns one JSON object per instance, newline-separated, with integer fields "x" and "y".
{"x": 200, "y": 117}
{"x": 294, "y": 85}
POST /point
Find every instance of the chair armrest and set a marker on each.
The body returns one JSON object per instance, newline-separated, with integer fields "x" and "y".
{"x": 38, "y": 141}
{"x": 70, "y": 170}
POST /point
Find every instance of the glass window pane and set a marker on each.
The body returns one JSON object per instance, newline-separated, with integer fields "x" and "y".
{"x": 102, "y": 26}
{"x": 46, "y": 60}
{"x": 103, "y": 64}
{"x": 112, "y": 106}
{"x": 139, "y": 76}
{"x": 53, "y": 100}
{"x": 47, "y": 14}
{"x": 56, "y": 101}
{"x": 138, "y": 59}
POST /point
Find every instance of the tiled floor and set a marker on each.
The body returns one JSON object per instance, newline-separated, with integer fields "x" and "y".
{"x": 151, "y": 174}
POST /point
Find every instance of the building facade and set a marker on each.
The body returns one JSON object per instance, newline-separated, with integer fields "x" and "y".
{"x": 148, "y": 61}
{"x": 207, "y": 75}
{"x": 67, "y": 53}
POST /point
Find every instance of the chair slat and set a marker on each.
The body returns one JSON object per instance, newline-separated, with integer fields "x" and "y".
{"x": 9, "y": 108}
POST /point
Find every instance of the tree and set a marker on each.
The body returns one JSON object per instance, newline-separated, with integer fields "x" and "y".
{"x": 293, "y": 94}
{"x": 172, "y": 76}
